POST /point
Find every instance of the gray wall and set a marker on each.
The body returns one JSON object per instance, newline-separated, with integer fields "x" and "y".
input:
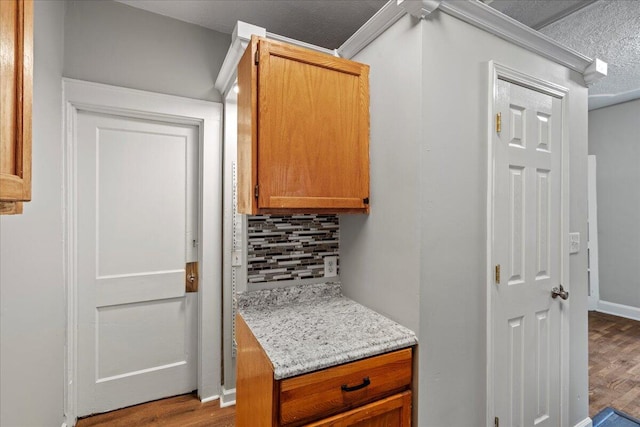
{"x": 380, "y": 252}
{"x": 32, "y": 307}
{"x": 428, "y": 174}
{"x": 109, "y": 42}
{"x": 105, "y": 42}
{"x": 614, "y": 137}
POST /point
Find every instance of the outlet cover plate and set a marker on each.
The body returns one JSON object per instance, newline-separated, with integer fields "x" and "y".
{"x": 330, "y": 266}
{"x": 574, "y": 243}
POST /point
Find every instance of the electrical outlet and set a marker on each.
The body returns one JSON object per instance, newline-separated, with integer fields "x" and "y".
{"x": 574, "y": 243}
{"x": 330, "y": 266}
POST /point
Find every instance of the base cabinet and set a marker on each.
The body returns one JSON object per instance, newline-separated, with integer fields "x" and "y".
{"x": 374, "y": 391}
{"x": 394, "y": 411}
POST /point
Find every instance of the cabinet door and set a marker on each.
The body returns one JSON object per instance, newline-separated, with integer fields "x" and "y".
{"x": 313, "y": 137}
{"x": 16, "y": 53}
{"x": 394, "y": 411}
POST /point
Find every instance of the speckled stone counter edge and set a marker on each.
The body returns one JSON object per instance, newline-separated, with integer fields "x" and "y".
{"x": 263, "y": 311}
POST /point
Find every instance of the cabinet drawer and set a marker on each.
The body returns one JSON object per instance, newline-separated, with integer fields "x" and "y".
{"x": 319, "y": 394}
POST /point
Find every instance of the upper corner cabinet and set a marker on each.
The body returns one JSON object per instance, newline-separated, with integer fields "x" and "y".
{"x": 16, "y": 66}
{"x": 303, "y": 131}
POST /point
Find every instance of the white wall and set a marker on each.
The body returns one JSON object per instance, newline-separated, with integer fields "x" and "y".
{"x": 110, "y": 42}
{"x": 614, "y": 137}
{"x": 32, "y": 307}
{"x": 436, "y": 189}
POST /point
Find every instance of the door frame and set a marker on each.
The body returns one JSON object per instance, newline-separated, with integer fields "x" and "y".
{"x": 592, "y": 240}
{"x": 80, "y": 95}
{"x": 498, "y": 71}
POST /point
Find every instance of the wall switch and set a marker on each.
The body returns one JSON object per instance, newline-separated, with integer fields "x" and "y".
{"x": 236, "y": 259}
{"x": 574, "y": 243}
{"x": 330, "y": 266}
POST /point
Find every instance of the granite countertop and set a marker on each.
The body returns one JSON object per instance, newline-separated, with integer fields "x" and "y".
{"x": 309, "y": 327}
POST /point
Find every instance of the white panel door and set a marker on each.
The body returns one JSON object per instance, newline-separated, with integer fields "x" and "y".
{"x": 526, "y": 245}
{"x": 136, "y": 224}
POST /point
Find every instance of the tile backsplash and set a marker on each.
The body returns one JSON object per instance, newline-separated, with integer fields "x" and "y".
{"x": 281, "y": 248}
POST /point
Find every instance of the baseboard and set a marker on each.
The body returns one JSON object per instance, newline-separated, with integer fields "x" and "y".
{"x": 209, "y": 399}
{"x": 619, "y": 310}
{"x": 228, "y": 398}
{"x": 585, "y": 423}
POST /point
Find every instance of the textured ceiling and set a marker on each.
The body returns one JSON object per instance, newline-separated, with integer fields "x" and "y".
{"x": 326, "y": 23}
{"x": 606, "y": 29}
{"x": 609, "y": 30}
{"x": 537, "y": 13}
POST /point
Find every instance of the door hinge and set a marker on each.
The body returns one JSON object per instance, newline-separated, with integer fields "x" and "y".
{"x": 255, "y": 191}
{"x": 496, "y": 422}
{"x": 499, "y": 122}
{"x": 256, "y": 57}
{"x": 498, "y": 274}
{"x": 365, "y": 200}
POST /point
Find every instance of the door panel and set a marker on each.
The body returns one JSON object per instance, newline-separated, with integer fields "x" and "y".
{"x": 137, "y": 218}
{"x": 526, "y": 244}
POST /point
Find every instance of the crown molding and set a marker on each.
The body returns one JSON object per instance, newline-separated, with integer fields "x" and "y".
{"x": 481, "y": 16}
{"x": 606, "y": 99}
{"x": 376, "y": 25}
{"x": 239, "y": 40}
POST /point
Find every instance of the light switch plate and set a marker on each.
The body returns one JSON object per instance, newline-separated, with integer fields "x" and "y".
{"x": 330, "y": 266}
{"x": 236, "y": 258}
{"x": 574, "y": 243}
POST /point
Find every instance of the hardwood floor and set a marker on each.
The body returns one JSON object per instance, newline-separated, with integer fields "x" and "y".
{"x": 614, "y": 380}
{"x": 614, "y": 364}
{"x": 179, "y": 411}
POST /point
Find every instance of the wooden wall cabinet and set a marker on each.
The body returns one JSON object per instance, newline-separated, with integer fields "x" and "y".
{"x": 16, "y": 82}
{"x": 303, "y": 131}
{"x": 378, "y": 390}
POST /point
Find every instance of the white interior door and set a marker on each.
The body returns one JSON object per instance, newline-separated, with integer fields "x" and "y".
{"x": 527, "y": 324}
{"x": 137, "y": 222}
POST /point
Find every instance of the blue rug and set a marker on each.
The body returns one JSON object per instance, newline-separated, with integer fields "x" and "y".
{"x": 610, "y": 417}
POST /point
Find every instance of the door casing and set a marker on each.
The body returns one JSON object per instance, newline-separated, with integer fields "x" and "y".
{"x": 497, "y": 71}
{"x": 207, "y": 117}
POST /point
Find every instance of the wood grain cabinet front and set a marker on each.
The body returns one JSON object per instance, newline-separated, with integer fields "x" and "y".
{"x": 374, "y": 391}
{"x": 303, "y": 131}
{"x": 16, "y": 81}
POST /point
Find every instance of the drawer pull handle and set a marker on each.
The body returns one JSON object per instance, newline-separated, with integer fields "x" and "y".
{"x": 365, "y": 382}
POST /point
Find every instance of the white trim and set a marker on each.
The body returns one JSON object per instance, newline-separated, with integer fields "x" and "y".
{"x": 81, "y": 95}
{"x": 376, "y": 25}
{"x": 210, "y": 398}
{"x": 592, "y": 243}
{"x": 496, "y": 71}
{"x": 595, "y": 71}
{"x": 587, "y": 422}
{"x": 419, "y": 9}
{"x": 607, "y": 99}
{"x": 228, "y": 397}
{"x": 620, "y": 310}
{"x": 306, "y": 45}
{"x": 484, "y": 17}
{"x": 239, "y": 41}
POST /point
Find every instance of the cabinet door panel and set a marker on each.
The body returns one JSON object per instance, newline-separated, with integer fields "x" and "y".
{"x": 394, "y": 411}
{"x": 16, "y": 52}
{"x": 313, "y": 130}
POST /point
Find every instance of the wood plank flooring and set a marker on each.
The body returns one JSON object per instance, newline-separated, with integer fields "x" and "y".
{"x": 614, "y": 364}
{"x": 179, "y": 411}
{"x": 614, "y": 380}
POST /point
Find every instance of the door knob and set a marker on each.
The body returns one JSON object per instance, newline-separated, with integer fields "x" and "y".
{"x": 559, "y": 292}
